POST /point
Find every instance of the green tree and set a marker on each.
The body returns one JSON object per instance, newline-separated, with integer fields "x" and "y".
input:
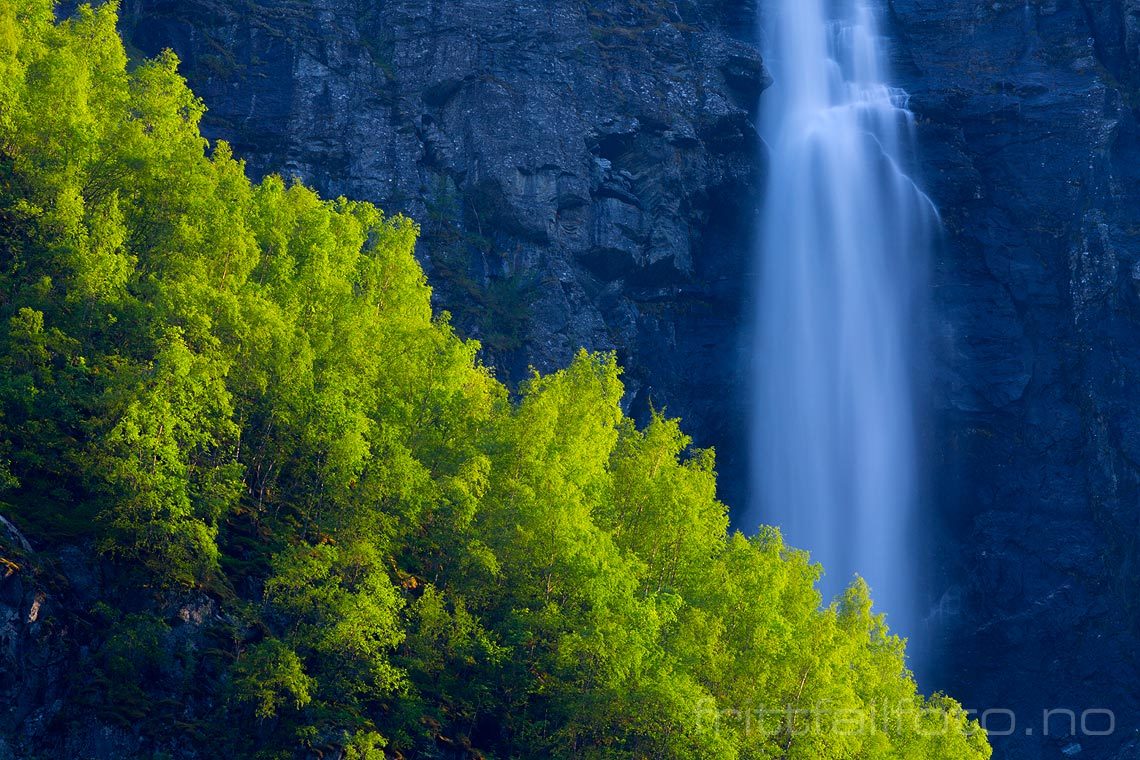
{"x": 269, "y": 677}
{"x": 239, "y": 395}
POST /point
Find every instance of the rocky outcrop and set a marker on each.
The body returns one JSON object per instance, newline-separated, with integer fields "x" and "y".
{"x": 70, "y": 690}
{"x": 580, "y": 170}
{"x": 1026, "y": 114}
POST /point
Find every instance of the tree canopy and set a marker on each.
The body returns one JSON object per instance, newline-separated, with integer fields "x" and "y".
{"x": 239, "y": 390}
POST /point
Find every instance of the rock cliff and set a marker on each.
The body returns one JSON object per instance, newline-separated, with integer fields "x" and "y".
{"x": 1029, "y": 136}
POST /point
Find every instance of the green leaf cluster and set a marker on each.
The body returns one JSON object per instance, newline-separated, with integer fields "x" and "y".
{"x": 239, "y": 391}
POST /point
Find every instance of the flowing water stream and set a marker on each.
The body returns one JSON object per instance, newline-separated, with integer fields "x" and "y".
{"x": 843, "y": 244}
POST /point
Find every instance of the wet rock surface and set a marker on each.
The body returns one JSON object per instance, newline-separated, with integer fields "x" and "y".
{"x": 1029, "y": 139}
{"x": 62, "y": 694}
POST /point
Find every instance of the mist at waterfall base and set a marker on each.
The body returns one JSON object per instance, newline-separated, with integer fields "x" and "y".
{"x": 844, "y": 240}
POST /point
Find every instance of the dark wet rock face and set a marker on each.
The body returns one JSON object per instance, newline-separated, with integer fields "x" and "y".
{"x": 580, "y": 170}
{"x": 1030, "y": 142}
{"x": 58, "y": 693}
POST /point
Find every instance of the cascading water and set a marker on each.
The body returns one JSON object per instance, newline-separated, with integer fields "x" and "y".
{"x": 843, "y": 242}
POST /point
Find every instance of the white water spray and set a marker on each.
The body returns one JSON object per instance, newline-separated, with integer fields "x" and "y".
{"x": 844, "y": 238}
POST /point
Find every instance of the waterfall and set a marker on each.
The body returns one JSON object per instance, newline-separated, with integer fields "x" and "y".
{"x": 843, "y": 243}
